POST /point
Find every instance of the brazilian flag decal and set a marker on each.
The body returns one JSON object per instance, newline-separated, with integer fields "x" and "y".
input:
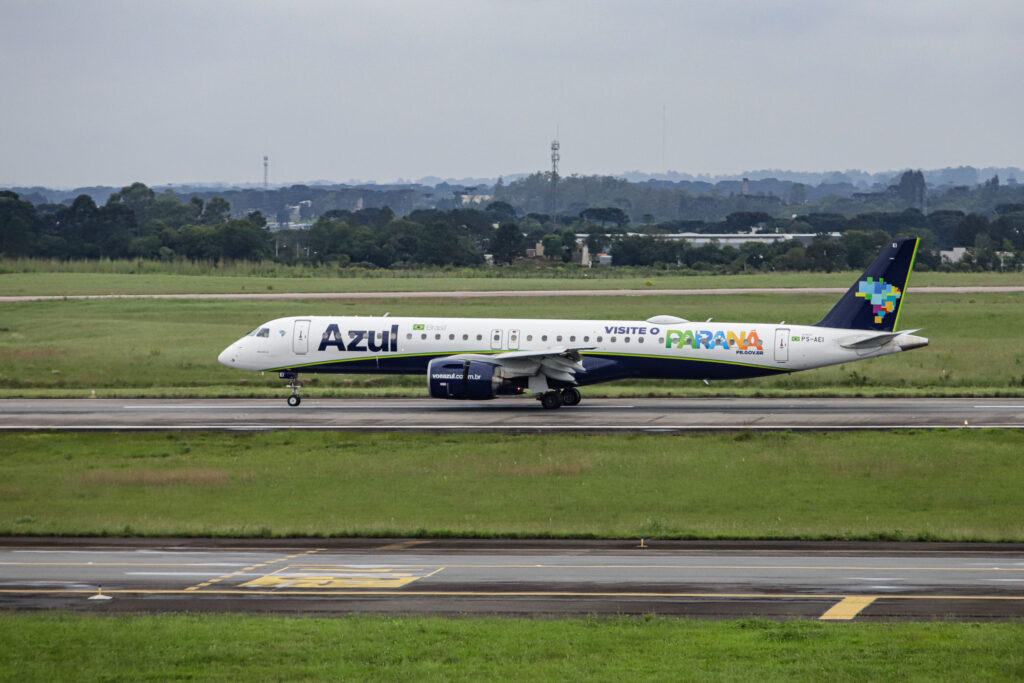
{"x": 417, "y": 327}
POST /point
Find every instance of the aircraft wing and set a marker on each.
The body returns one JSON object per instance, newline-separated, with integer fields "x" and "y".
{"x": 557, "y": 363}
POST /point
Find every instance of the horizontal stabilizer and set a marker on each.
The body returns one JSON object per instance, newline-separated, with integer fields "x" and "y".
{"x": 863, "y": 341}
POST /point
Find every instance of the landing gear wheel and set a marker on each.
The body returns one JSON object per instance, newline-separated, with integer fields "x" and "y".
{"x": 571, "y": 396}
{"x": 293, "y": 384}
{"x": 551, "y": 400}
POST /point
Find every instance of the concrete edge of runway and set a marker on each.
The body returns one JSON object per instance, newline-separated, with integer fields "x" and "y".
{"x": 498, "y": 293}
{"x": 449, "y": 544}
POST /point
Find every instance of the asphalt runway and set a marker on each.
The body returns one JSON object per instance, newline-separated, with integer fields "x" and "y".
{"x": 823, "y": 581}
{"x": 517, "y": 414}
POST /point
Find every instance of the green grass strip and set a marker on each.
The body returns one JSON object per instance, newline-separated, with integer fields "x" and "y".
{"x": 939, "y": 485}
{"x": 144, "y": 348}
{"x": 52, "y": 647}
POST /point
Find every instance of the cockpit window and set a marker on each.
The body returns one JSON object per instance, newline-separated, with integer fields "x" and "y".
{"x": 253, "y": 333}
{"x": 263, "y": 332}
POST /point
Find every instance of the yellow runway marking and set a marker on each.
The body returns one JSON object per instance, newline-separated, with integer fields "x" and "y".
{"x": 403, "y": 545}
{"x": 218, "y": 579}
{"x": 847, "y": 608}
{"x": 333, "y": 576}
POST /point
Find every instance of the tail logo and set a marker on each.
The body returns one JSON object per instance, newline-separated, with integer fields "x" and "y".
{"x": 881, "y": 296}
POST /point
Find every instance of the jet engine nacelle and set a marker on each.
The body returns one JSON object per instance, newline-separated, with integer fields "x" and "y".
{"x": 460, "y": 379}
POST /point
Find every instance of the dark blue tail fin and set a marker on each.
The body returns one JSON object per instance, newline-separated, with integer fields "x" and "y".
{"x": 875, "y": 300}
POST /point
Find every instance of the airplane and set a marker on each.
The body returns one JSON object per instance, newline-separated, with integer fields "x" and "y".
{"x": 484, "y": 358}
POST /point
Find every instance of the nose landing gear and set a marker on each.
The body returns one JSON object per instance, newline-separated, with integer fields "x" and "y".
{"x": 293, "y": 384}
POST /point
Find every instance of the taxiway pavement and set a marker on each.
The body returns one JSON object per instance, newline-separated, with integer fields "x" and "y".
{"x": 830, "y": 581}
{"x": 278, "y": 296}
{"x": 518, "y": 414}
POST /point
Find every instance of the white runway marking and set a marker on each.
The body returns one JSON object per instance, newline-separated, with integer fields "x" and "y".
{"x": 173, "y": 574}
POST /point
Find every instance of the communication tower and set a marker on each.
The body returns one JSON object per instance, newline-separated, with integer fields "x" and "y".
{"x": 266, "y": 163}
{"x": 555, "y": 158}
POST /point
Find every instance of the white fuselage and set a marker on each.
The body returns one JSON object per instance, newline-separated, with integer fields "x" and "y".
{"x": 609, "y": 349}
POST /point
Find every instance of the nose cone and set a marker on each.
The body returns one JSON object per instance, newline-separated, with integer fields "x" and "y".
{"x": 228, "y": 356}
{"x": 911, "y": 341}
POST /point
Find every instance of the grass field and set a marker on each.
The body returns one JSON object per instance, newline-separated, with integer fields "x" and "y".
{"x": 52, "y": 647}
{"x": 326, "y": 280}
{"x": 914, "y": 485}
{"x": 169, "y": 347}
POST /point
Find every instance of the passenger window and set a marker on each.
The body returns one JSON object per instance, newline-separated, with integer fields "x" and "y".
{"x": 558, "y": 338}
{"x": 544, "y": 337}
{"x": 437, "y": 336}
{"x": 612, "y": 340}
{"x": 572, "y": 338}
{"x": 640, "y": 339}
{"x": 423, "y": 336}
{"x": 408, "y": 335}
{"x": 586, "y": 338}
{"x": 529, "y": 337}
{"x": 451, "y": 337}
{"x": 600, "y": 338}
{"x": 661, "y": 340}
{"x": 479, "y": 337}
{"x": 625, "y": 339}
{"x": 465, "y": 337}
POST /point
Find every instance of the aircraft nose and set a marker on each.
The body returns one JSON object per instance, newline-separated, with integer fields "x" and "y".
{"x": 228, "y": 355}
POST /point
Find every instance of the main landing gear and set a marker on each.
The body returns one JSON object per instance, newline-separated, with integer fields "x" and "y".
{"x": 293, "y": 384}
{"x": 555, "y": 399}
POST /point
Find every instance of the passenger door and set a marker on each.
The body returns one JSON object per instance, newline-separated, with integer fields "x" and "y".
{"x": 300, "y": 337}
{"x": 781, "y": 344}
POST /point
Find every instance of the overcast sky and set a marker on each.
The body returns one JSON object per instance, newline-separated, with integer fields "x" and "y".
{"x": 111, "y": 92}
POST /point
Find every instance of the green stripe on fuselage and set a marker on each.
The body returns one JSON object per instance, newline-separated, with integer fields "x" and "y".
{"x": 596, "y": 354}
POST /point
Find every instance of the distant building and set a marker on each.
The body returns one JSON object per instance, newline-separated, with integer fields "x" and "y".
{"x": 466, "y": 199}
{"x": 699, "y": 239}
{"x": 954, "y": 255}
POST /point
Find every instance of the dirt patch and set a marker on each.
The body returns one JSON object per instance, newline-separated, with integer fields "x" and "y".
{"x": 193, "y": 477}
{"x": 30, "y": 353}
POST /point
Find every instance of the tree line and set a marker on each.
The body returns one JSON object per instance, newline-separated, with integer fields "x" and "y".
{"x": 136, "y": 222}
{"x": 706, "y": 202}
